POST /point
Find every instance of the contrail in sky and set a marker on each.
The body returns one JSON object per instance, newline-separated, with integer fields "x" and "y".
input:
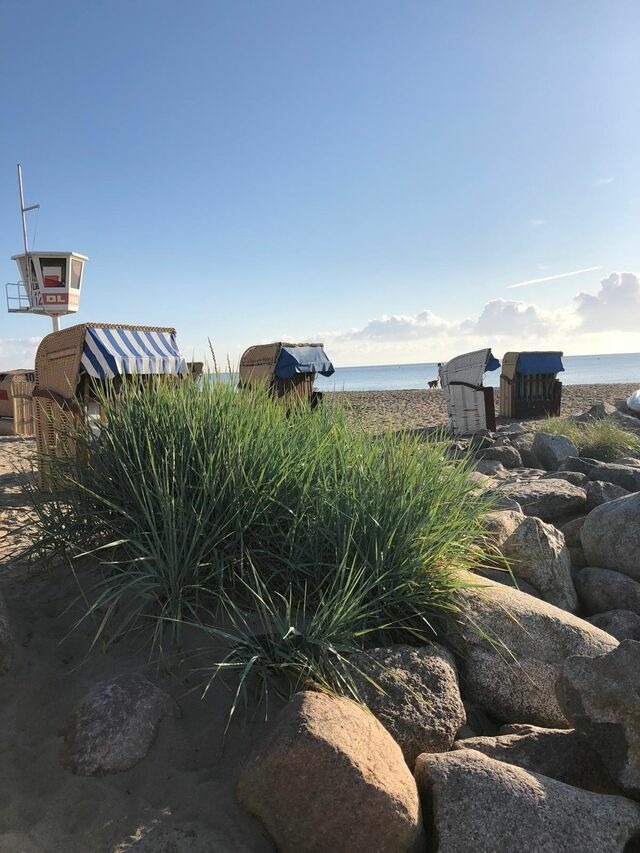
{"x": 551, "y": 277}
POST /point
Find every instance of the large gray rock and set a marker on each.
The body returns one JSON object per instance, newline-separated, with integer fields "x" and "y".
{"x": 600, "y": 590}
{"x": 414, "y": 694}
{"x": 579, "y": 463}
{"x": 537, "y": 553}
{"x": 507, "y": 578}
{"x": 328, "y": 776}
{"x": 481, "y": 482}
{"x": 481, "y": 439}
{"x": 510, "y": 648}
{"x": 558, "y": 753}
{"x": 524, "y": 445}
{"x": 573, "y": 477}
{"x": 601, "y": 696}
{"x": 611, "y": 536}
{"x": 549, "y": 500}
{"x": 552, "y": 450}
{"x": 625, "y": 476}
{"x": 485, "y": 806}
{"x": 489, "y": 467}
{"x": 621, "y": 624}
{"x": 627, "y": 422}
{"x": 600, "y": 492}
{"x": 500, "y": 524}
{"x": 571, "y": 532}
{"x": 505, "y": 454}
{"x": 6, "y": 640}
{"x": 628, "y": 461}
{"x": 511, "y": 430}
{"x": 113, "y": 727}
{"x": 601, "y": 410}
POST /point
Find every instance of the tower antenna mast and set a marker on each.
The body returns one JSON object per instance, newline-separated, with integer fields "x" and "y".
{"x": 23, "y": 211}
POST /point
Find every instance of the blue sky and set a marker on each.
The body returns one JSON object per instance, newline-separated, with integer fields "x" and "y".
{"x": 376, "y": 173}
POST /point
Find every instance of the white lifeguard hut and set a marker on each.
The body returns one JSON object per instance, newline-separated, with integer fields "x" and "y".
{"x": 50, "y": 282}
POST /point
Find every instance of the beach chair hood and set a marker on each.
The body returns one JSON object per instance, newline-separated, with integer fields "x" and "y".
{"x": 530, "y": 363}
{"x": 110, "y": 351}
{"x": 310, "y": 358}
{"x": 470, "y": 406}
{"x": 468, "y": 369}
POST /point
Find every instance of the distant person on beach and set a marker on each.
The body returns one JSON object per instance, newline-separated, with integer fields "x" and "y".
{"x": 434, "y": 382}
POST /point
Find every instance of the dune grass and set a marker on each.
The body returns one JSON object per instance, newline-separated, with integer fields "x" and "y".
{"x": 291, "y": 536}
{"x": 603, "y": 439}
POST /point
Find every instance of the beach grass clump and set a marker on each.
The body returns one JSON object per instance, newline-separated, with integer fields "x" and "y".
{"x": 291, "y": 536}
{"x": 602, "y": 439}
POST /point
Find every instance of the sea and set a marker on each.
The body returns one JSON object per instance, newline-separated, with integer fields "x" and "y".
{"x": 578, "y": 370}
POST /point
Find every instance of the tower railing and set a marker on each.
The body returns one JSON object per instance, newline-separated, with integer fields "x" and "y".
{"x": 17, "y": 298}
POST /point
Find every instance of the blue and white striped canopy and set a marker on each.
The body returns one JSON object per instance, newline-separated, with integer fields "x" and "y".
{"x": 117, "y": 351}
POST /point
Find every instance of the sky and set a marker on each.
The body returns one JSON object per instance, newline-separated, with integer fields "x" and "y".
{"x": 402, "y": 180}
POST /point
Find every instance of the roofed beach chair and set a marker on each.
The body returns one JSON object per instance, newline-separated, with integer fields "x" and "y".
{"x": 528, "y": 384}
{"x": 15, "y": 402}
{"x": 469, "y": 403}
{"x": 289, "y": 370}
{"x": 73, "y": 364}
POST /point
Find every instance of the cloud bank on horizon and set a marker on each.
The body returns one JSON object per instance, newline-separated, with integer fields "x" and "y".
{"x": 607, "y": 321}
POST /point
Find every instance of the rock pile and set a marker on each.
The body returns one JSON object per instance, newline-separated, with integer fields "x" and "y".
{"x": 518, "y": 730}
{"x": 522, "y": 724}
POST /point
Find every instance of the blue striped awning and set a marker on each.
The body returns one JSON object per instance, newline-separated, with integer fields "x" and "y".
{"x": 117, "y": 351}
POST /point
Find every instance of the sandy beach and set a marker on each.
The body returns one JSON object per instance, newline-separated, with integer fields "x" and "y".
{"x": 186, "y": 783}
{"x": 184, "y": 789}
{"x": 417, "y": 409}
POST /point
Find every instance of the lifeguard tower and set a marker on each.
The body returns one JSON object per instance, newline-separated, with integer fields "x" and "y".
{"x": 50, "y": 282}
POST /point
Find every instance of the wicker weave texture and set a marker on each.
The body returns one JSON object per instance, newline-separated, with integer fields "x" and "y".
{"x": 58, "y": 371}
{"x": 258, "y": 364}
{"x": 23, "y": 420}
{"x": 7, "y": 379}
{"x": 59, "y": 355}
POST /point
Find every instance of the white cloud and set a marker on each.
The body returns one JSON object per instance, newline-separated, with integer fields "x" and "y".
{"x": 606, "y": 321}
{"x": 400, "y": 328}
{"x": 615, "y": 307}
{"x": 507, "y": 317}
{"x": 18, "y": 352}
{"x": 601, "y": 182}
{"x": 537, "y": 223}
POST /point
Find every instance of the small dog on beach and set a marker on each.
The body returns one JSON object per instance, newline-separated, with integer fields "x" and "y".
{"x": 433, "y": 383}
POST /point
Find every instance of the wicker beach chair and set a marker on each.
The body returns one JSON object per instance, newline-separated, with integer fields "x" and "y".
{"x": 469, "y": 403}
{"x": 15, "y": 402}
{"x": 22, "y": 394}
{"x": 529, "y": 386}
{"x": 6, "y": 389}
{"x": 289, "y": 370}
{"x": 73, "y": 363}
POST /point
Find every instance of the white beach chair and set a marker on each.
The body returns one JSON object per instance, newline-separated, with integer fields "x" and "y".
{"x": 469, "y": 403}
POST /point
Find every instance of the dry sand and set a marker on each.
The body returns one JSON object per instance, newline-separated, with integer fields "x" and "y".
{"x": 187, "y": 780}
{"x": 417, "y": 409}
